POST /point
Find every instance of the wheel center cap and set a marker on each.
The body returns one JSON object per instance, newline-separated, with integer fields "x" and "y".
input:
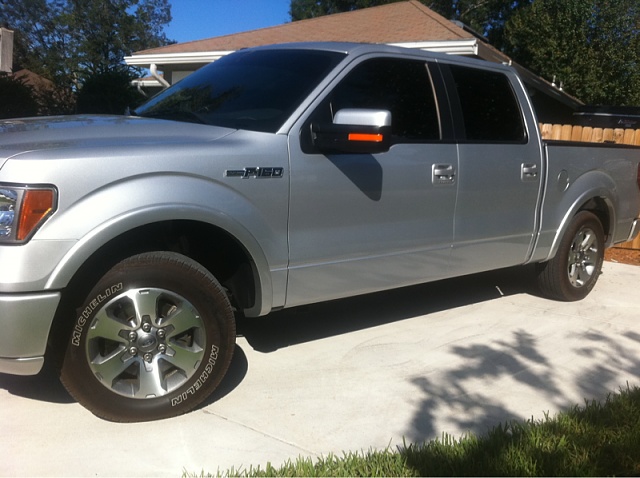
{"x": 147, "y": 342}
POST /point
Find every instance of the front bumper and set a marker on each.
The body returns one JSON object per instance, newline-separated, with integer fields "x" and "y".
{"x": 25, "y": 322}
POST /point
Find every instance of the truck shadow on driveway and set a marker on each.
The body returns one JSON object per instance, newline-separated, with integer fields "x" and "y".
{"x": 317, "y": 321}
{"x": 549, "y": 358}
{"x": 45, "y": 386}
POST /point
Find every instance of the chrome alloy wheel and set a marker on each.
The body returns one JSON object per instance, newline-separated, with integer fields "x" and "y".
{"x": 145, "y": 343}
{"x": 583, "y": 257}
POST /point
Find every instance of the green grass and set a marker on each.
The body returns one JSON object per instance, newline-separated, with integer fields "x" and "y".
{"x": 597, "y": 439}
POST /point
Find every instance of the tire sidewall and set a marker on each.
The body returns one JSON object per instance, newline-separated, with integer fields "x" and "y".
{"x": 148, "y": 271}
{"x": 582, "y": 220}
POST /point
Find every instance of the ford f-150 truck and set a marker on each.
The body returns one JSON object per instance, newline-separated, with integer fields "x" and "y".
{"x": 279, "y": 176}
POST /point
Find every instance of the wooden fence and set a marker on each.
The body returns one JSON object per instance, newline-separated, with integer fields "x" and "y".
{"x": 566, "y": 132}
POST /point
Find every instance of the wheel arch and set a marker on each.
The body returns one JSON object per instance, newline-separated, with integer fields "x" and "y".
{"x": 231, "y": 260}
{"x": 596, "y": 202}
{"x": 594, "y": 191}
{"x": 223, "y": 254}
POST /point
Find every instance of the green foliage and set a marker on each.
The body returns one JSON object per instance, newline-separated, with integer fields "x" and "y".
{"x": 66, "y": 41}
{"x": 485, "y": 16}
{"x": 106, "y": 31}
{"x": 108, "y": 92}
{"x": 39, "y": 37}
{"x": 594, "y": 440}
{"x": 599, "y": 439}
{"x": 17, "y": 99}
{"x": 591, "y": 46}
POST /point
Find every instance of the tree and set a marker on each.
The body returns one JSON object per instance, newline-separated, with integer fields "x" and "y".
{"x": 592, "y": 47}
{"x": 40, "y": 40}
{"x": 484, "y": 16}
{"x": 106, "y": 31}
{"x": 107, "y": 92}
{"x": 17, "y": 99}
{"x": 487, "y": 17}
{"x": 67, "y": 41}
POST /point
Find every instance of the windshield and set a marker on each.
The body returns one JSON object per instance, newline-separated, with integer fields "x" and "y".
{"x": 253, "y": 89}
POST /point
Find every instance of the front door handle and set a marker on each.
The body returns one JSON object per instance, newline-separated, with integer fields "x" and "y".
{"x": 443, "y": 174}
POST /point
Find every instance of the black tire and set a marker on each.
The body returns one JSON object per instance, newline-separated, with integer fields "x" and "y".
{"x": 153, "y": 339}
{"x": 575, "y": 269}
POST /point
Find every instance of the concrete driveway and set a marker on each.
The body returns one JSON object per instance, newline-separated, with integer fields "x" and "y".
{"x": 455, "y": 356}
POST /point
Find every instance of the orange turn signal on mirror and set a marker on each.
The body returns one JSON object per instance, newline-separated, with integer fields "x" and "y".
{"x": 374, "y": 138}
{"x": 36, "y": 205}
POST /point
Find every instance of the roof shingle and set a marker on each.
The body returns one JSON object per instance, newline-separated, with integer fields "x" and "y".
{"x": 408, "y": 21}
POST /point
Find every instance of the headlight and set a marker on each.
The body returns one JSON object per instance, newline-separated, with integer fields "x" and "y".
{"x": 23, "y": 210}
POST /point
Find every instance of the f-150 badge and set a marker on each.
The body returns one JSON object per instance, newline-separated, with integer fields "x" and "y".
{"x": 254, "y": 173}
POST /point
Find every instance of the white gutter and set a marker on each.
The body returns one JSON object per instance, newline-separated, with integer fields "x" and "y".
{"x": 175, "y": 58}
{"x": 454, "y": 47}
{"x": 153, "y": 69}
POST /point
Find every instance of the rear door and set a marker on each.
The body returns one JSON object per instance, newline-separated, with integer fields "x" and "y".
{"x": 500, "y": 171}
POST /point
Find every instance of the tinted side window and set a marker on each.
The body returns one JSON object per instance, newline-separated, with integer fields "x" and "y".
{"x": 400, "y": 86}
{"x": 490, "y": 109}
{"x": 251, "y": 89}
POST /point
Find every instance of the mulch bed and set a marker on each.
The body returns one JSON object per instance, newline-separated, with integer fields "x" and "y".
{"x": 623, "y": 256}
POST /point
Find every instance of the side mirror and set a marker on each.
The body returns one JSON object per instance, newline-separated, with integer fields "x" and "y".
{"x": 354, "y": 131}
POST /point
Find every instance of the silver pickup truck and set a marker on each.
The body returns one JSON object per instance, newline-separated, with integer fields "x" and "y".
{"x": 275, "y": 177}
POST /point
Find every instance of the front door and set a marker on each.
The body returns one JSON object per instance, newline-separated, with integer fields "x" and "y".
{"x": 365, "y": 222}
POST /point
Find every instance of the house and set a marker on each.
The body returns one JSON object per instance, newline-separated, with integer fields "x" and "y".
{"x": 408, "y": 24}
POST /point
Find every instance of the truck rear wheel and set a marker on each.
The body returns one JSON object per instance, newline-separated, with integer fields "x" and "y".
{"x": 574, "y": 270}
{"x": 153, "y": 339}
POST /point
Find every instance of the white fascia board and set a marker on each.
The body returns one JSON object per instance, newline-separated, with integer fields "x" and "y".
{"x": 453, "y": 47}
{"x": 186, "y": 58}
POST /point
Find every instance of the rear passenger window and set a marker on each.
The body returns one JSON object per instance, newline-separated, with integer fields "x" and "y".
{"x": 489, "y": 106}
{"x": 401, "y": 86}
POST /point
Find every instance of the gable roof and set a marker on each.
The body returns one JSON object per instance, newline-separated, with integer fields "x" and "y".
{"x": 405, "y": 22}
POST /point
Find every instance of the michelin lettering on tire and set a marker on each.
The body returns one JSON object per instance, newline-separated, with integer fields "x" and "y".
{"x": 153, "y": 340}
{"x": 88, "y": 310}
{"x": 213, "y": 357}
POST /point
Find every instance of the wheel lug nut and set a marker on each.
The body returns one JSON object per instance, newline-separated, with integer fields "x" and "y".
{"x": 132, "y": 336}
{"x": 148, "y": 357}
{"x": 133, "y": 351}
{"x": 162, "y": 348}
{"x": 146, "y": 326}
{"x": 161, "y": 334}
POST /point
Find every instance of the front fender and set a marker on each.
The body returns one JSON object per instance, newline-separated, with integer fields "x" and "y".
{"x": 112, "y": 211}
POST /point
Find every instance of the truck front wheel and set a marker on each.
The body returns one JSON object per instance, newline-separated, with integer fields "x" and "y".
{"x": 152, "y": 340}
{"x": 574, "y": 270}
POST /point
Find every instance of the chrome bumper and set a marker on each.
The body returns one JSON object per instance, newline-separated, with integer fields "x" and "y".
{"x": 25, "y": 321}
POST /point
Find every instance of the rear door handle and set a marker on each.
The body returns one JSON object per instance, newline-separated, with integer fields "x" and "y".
{"x": 443, "y": 174}
{"x": 529, "y": 172}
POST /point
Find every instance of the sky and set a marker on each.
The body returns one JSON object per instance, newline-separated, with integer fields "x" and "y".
{"x": 200, "y": 19}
